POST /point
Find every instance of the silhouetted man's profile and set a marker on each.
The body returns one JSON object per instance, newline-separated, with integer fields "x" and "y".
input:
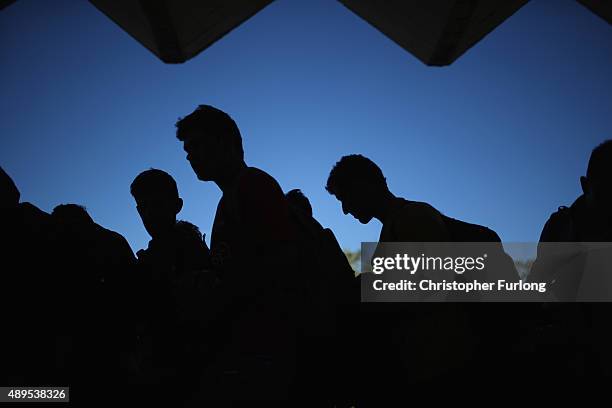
{"x": 582, "y": 338}
{"x": 174, "y": 245}
{"x": 589, "y": 218}
{"x": 359, "y": 184}
{"x": 171, "y": 348}
{"x": 252, "y": 249}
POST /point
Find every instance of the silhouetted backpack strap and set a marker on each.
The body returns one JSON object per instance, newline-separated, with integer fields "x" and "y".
{"x": 560, "y": 227}
{"x": 319, "y": 269}
{"x": 343, "y": 273}
{"x": 461, "y": 231}
{"x": 495, "y": 324}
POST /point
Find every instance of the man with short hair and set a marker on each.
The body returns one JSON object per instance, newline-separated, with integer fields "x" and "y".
{"x": 172, "y": 346}
{"x": 582, "y": 337}
{"x": 359, "y": 184}
{"x": 589, "y": 218}
{"x": 157, "y": 201}
{"x": 253, "y": 251}
{"x": 439, "y": 331}
{"x": 172, "y": 244}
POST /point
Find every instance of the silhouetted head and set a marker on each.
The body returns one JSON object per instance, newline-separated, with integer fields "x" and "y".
{"x": 9, "y": 194}
{"x": 298, "y": 200}
{"x": 359, "y": 184}
{"x": 188, "y": 229}
{"x": 73, "y": 220}
{"x": 211, "y": 140}
{"x": 194, "y": 253}
{"x": 157, "y": 201}
{"x": 597, "y": 185}
{"x": 72, "y": 214}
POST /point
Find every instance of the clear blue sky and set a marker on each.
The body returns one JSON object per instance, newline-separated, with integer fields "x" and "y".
{"x": 500, "y": 137}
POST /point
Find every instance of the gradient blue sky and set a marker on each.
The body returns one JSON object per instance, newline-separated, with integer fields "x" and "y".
{"x": 500, "y": 137}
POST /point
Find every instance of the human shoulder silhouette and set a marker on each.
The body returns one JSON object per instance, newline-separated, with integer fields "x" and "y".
{"x": 562, "y": 263}
{"x": 360, "y": 186}
{"x": 254, "y": 254}
{"x": 28, "y": 287}
{"x": 589, "y": 217}
{"x": 174, "y": 244}
{"x": 252, "y": 212}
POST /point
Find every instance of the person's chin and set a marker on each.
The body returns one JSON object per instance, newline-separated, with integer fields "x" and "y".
{"x": 202, "y": 176}
{"x": 364, "y": 220}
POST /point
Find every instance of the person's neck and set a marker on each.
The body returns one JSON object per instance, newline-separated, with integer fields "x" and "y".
{"x": 386, "y": 206}
{"x": 227, "y": 180}
{"x": 594, "y": 218}
{"x": 163, "y": 236}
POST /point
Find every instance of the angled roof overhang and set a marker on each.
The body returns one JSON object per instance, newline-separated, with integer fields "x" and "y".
{"x": 178, "y": 30}
{"x": 5, "y": 3}
{"x": 603, "y": 8}
{"x": 437, "y": 31}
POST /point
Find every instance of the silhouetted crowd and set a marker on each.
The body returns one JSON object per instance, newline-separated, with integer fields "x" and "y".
{"x": 270, "y": 315}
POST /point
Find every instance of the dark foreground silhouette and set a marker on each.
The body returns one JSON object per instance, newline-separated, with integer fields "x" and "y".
{"x": 270, "y": 315}
{"x": 454, "y": 339}
{"x": 579, "y": 331}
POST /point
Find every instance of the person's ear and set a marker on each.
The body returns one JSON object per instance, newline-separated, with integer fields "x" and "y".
{"x": 584, "y": 183}
{"x": 370, "y": 190}
{"x": 179, "y": 205}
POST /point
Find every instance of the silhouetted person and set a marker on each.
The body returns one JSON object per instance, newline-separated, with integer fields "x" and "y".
{"x": 9, "y": 194}
{"x": 28, "y": 292}
{"x": 329, "y": 250}
{"x": 171, "y": 352}
{"x": 360, "y": 186}
{"x": 341, "y": 275}
{"x": 174, "y": 245}
{"x": 298, "y": 200}
{"x": 579, "y": 337}
{"x": 106, "y": 254}
{"x": 446, "y": 333}
{"x": 96, "y": 271}
{"x": 254, "y": 253}
{"x": 589, "y": 218}
{"x": 333, "y": 306}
